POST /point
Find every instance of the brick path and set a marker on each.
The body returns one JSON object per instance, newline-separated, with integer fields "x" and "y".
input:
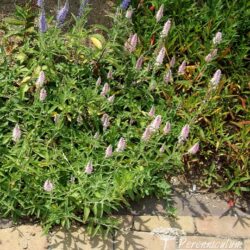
{"x": 139, "y": 232}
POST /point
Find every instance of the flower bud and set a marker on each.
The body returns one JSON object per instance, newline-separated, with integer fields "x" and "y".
{"x": 182, "y": 68}
{"x": 16, "y": 134}
{"x": 89, "y": 168}
{"x": 184, "y": 133}
{"x": 109, "y": 151}
{"x": 167, "y": 128}
{"x": 43, "y": 95}
{"x": 216, "y": 79}
{"x": 121, "y": 145}
{"x": 218, "y": 38}
{"x": 152, "y": 111}
{"x": 48, "y": 186}
{"x": 40, "y": 80}
{"x": 160, "y": 57}
{"x": 166, "y": 29}
{"x": 194, "y": 149}
{"x": 147, "y": 134}
{"x": 159, "y": 13}
{"x": 156, "y": 123}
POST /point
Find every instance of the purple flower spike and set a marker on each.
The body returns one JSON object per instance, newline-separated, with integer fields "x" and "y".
{"x": 194, "y": 149}
{"x": 42, "y": 22}
{"x": 62, "y": 13}
{"x": 82, "y": 7}
{"x": 109, "y": 151}
{"x": 89, "y": 168}
{"x": 160, "y": 57}
{"x": 156, "y": 123}
{"x": 167, "y": 128}
{"x": 159, "y": 13}
{"x": 43, "y": 95}
{"x": 39, "y": 3}
{"x": 16, "y": 134}
{"x": 121, "y": 145}
{"x": 182, "y": 68}
{"x": 184, "y": 133}
{"x": 147, "y": 134}
{"x": 125, "y": 4}
{"x": 48, "y": 186}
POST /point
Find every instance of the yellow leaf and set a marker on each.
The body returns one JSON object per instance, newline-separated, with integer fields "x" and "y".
{"x": 25, "y": 79}
{"x": 96, "y": 42}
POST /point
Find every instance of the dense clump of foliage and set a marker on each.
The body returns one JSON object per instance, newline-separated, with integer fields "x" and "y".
{"x": 93, "y": 118}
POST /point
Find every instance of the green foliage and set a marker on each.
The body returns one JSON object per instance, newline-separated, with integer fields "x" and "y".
{"x": 63, "y": 133}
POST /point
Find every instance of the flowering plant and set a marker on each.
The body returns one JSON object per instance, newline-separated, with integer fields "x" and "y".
{"x": 89, "y": 122}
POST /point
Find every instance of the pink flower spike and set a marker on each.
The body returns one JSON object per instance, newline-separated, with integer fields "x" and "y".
{"x": 43, "y": 95}
{"x": 166, "y": 29}
{"x": 160, "y": 57}
{"x": 109, "y": 151}
{"x": 218, "y": 38}
{"x": 139, "y": 63}
{"x": 159, "y": 13}
{"x": 167, "y": 128}
{"x": 89, "y": 168}
{"x": 111, "y": 99}
{"x": 147, "y": 134}
{"x": 208, "y": 58}
{"x": 172, "y": 62}
{"x": 216, "y": 79}
{"x": 48, "y": 186}
{"x": 96, "y": 135}
{"x": 16, "y": 134}
{"x": 214, "y": 53}
{"x": 151, "y": 113}
{"x": 41, "y": 79}
{"x": 105, "y": 89}
{"x": 182, "y": 68}
{"x": 194, "y": 149}
{"x": 105, "y": 121}
{"x": 129, "y": 13}
{"x": 121, "y": 145}
{"x": 168, "y": 77}
{"x": 162, "y": 149}
{"x": 110, "y": 74}
{"x": 99, "y": 81}
{"x": 133, "y": 42}
{"x": 184, "y": 133}
{"x": 156, "y": 123}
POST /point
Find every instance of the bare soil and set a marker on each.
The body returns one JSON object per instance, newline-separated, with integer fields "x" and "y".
{"x": 98, "y": 14}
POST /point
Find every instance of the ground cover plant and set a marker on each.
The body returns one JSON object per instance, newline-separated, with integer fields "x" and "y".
{"x": 93, "y": 118}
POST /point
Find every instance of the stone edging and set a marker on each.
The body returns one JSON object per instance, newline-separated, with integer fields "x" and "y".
{"x": 139, "y": 232}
